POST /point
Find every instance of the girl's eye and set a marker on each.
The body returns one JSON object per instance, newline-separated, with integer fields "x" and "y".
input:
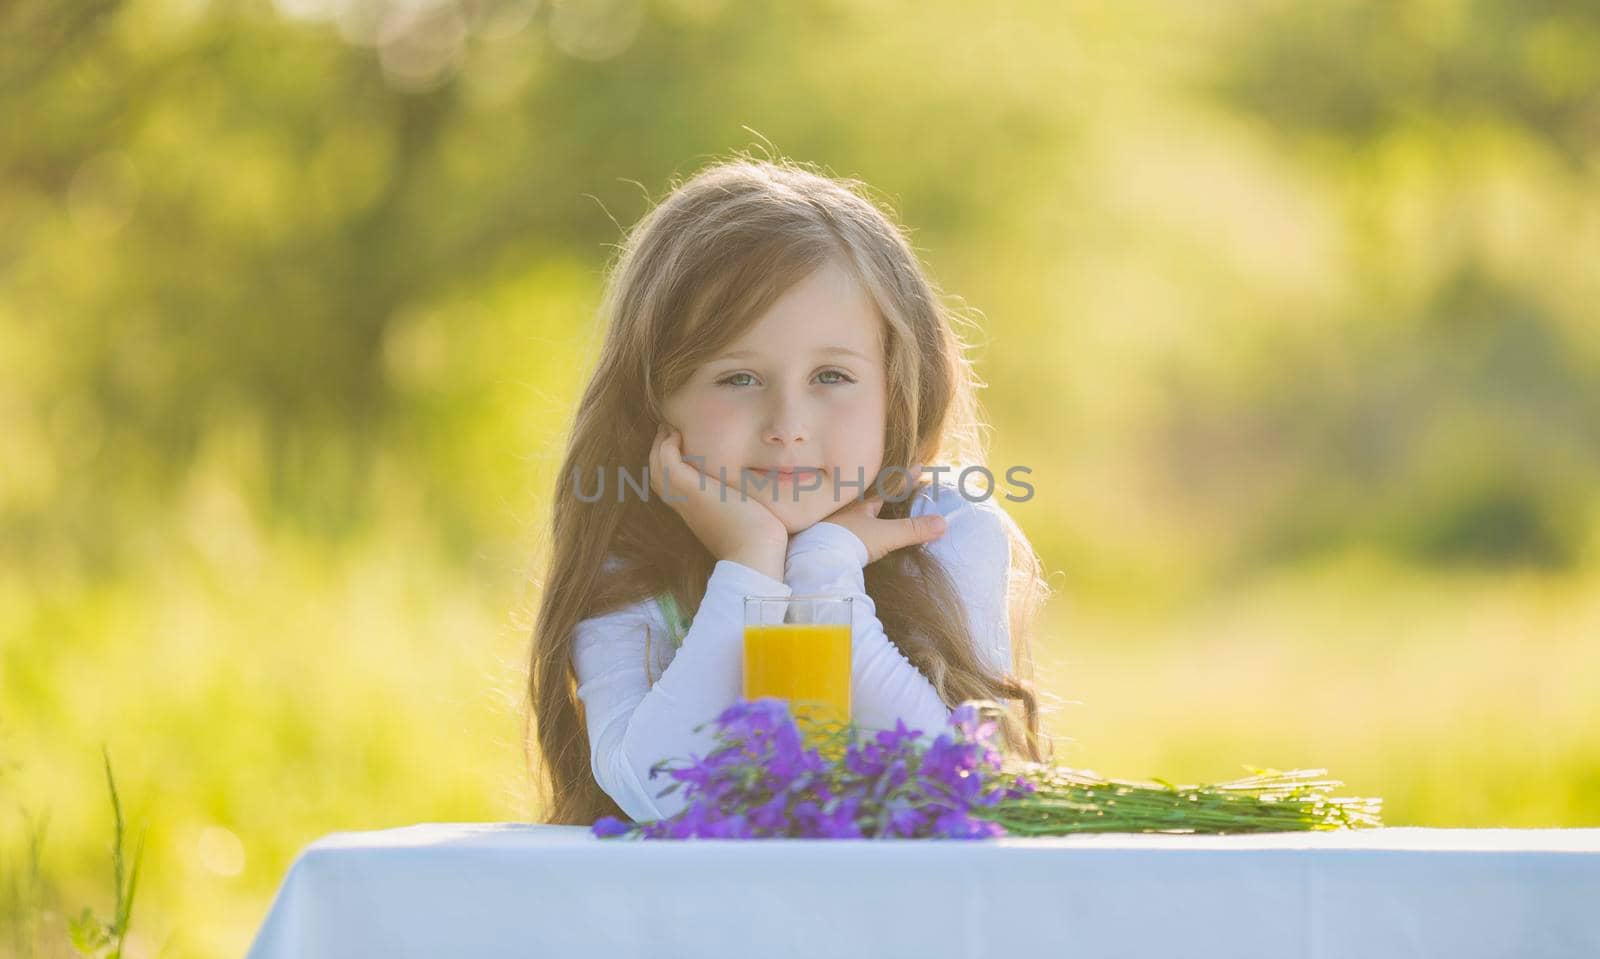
{"x": 733, "y": 379}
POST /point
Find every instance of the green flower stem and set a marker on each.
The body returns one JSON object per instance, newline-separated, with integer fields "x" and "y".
{"x": 1068, "y": 801}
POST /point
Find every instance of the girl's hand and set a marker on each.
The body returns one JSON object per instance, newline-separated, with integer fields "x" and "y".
{"x": 884, "y": 536}
{"x": 732, "y": 527}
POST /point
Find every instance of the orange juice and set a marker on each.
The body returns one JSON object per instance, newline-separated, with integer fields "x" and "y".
{"x": 806, "y": 663}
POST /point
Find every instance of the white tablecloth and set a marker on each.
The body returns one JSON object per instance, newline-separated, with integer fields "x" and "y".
{"x": 490, "y": 889}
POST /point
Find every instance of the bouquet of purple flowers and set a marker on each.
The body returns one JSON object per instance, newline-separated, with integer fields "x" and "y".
{"x": 763, "y": 780}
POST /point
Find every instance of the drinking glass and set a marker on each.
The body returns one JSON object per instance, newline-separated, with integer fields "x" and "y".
{"x": 798, "y": 648}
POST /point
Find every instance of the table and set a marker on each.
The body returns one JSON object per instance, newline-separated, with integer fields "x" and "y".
{"x": 499, "y": 889}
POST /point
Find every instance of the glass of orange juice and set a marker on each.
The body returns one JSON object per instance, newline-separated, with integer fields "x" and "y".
{"x": 798, "y": 648}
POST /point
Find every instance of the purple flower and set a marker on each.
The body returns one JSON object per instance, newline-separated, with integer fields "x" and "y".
{"x": 1020, "y": 789}
{"x": 790, "y": 759}
{"x": 973, "y": 727}
{"x": 688, "y": 823}
{"x": 956, "y": 824}
{"x": 830, "y": 821}
{"x": 840, "y": 822}
{"x": 772, "y": 816}
{"x": 762, "y": 780}
{"x": 904, "y": 819}
{"x": 865, "y": 761}
{"x": 891, "y": 739}
{"x": 786, "y": 739}
{"x": 611, "y": 826}
{"x": 752, "y": 720}
{"x": 696, "y": 774}
{"x": 952, "y": 764}
{"x": 736, "y": 826}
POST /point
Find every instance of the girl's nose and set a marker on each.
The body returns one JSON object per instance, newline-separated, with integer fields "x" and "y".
{"x": 787, "y": 424}
{"x": 787, "y": 432}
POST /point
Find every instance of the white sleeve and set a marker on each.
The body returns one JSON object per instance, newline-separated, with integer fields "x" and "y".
{"x": 884, "y": 686}
{"x": 633, "y": 725}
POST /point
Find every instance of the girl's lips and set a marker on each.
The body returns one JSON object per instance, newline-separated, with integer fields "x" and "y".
{"x": 789, "y": 473}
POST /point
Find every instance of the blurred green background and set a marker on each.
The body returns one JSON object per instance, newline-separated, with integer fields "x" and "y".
{"x": 1290, "y": 308}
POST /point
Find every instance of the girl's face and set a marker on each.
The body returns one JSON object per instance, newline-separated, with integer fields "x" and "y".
{"x": 802, "y": 387}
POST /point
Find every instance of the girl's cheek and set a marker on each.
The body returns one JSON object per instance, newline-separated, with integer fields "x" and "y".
{"x": 711, "y": 423}
{"x": 868, "y": 420}
{"x": 713, "y": 414}
{"x": 866, "y": 408}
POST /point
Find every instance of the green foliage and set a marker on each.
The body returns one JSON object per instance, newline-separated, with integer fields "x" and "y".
{"x": 1359, "y": 70}
{"x": 29, "y": 896}
{"x": 102, "y": 938}
{"x": 1289, "y": 308}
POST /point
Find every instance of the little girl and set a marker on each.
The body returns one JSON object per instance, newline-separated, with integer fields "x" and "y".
{"x": 776, "y": 358}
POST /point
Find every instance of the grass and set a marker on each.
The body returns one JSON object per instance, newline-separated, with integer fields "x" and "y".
{"x": 23, "y": 890}
{"x": 100, "y": 938}
{"x": 1459, "y": 699}
{"x": 29, "y": 902}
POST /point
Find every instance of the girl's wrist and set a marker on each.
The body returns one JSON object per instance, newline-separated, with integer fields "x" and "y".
{"x": 829, "y": 537}
{"x": 766, "y": 560}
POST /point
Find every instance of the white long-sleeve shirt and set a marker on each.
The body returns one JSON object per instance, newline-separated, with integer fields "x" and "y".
{"x": 632, "y": 724}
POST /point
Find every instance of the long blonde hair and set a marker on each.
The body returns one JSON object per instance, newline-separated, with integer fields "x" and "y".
{"x": 692, "y": 275}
